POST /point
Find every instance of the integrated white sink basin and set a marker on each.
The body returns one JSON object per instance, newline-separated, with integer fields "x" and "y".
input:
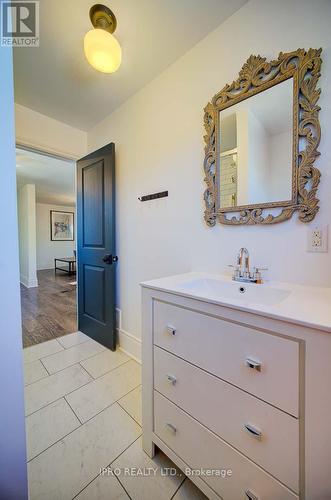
{"x": 247, "y": 293}
{"x": 305, "y": 305}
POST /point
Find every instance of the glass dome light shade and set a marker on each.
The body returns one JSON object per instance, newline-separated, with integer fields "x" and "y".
{"x": 102, "y": 50}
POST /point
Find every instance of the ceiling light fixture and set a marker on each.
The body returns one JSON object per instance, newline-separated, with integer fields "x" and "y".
{"x": 101, "y": 48}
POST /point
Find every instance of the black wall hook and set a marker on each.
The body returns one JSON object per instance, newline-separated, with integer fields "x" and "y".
{"x": 153, "y": 196}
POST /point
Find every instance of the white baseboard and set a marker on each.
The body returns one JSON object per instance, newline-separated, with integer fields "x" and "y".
{"x": 28, "y": 282}
{"x": 129, "y": 344}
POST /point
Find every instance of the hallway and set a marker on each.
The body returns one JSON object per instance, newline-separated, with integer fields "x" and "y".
{"x": 49, "y": 310}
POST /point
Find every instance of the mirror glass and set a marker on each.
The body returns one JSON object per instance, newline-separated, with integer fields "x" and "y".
{"x": 256, "y": 148}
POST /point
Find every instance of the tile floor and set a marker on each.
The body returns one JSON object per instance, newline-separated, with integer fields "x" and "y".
{"x": 83, "y": 413}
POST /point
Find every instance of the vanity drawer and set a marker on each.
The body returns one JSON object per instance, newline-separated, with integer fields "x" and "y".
{"x": 226, "y": 410}
{"x": 229, "y": 351}
{"x": 201, "y": 449}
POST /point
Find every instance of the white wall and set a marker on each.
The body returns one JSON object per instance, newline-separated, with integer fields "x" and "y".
{"x": 159, "y": 142}
{"x": 279, "y": 167}
{"x": 46, "y": 134}
{"x": 47, "y": 250}
{"x": 228, "y": 132}
{"x": 258, "y": 143}
{"x": 26, "y": 202}
{"x": 242, "y": 157}
{"x": 13, "y": 476}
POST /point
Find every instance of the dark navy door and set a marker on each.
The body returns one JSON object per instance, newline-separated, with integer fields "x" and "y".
{"x": 96, "y": 253}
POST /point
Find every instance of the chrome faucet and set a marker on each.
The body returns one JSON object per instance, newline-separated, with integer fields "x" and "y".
{"x": 242, "y": 271}
{"x": 243, "y": 263}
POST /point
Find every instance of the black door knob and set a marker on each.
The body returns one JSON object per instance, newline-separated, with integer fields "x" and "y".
{"x": 109, "y": 258}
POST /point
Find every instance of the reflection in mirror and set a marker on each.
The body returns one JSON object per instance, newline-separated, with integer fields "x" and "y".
{"x": 256, "y": 148}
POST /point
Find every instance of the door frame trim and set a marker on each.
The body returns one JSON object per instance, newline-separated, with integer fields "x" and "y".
{"x": 46, "y": 152}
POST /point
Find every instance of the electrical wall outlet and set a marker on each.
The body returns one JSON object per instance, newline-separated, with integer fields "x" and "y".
{"x": 118, "y": 319}
{"x": 318, "y": 239}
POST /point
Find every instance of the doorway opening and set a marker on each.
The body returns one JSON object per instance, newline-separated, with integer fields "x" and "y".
{"x": 46, "y": 199}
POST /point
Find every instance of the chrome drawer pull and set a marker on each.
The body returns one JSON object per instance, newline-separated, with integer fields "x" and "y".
{"x": 171, "y": 378}
{"x": 250, "y": 495}
{"x": 252, "y": 363}
{"x": 171, "y": 330}
{"x": 171, "y": 427}
{"x": 253, "y": 430}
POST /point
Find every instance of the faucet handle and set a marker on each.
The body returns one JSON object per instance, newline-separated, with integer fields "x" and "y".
{"x": 257, "y": 273}
{"x": 235, "y": 269}
{"x": 234, "y": 266}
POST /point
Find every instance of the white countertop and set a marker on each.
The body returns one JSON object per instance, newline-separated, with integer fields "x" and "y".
{"x": 305, "y": 305}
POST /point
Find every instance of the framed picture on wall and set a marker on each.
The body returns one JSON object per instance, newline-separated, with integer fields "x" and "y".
{"x": 62, "y": 226}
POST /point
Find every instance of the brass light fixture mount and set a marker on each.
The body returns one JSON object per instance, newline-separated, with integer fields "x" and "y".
{"x": 101, "y": 48}
{"x": 102, "y": 17}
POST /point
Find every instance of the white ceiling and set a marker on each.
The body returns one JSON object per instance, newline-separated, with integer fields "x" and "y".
{"x": 56, "y": 80}
{"x": 54, "y": 178}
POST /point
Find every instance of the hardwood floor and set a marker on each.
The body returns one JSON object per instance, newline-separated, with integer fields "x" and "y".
{"x": 49, "y": 310}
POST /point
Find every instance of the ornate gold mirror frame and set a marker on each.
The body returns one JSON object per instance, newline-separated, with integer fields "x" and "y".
{"x": 256, "y": 76}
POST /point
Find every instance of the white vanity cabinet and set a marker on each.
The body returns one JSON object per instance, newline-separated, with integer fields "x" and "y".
{"x": 239, "y": 401}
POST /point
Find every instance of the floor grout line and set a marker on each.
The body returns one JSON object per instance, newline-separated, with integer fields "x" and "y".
{"x": 129, "y": 414}
{"x": 94, "y": 379}
{"x": 35, "y": 411}
{"x": 79, "y": 420}
{"x": 179, "y": 487}
{"x": 74, "y": 390}
{"x": 106, "y": 466}
{"x": 41, "y": 378}
{"x": 80, "y": 364}
{"x": 118, "y": 456}
{"x": 60, "y": 439}
{"x": 181, "y": 483}
{"x": 81, "y": 423}
{"x": 57, "y": 340}
{"x": 114, "y": 402}
{"x": 83, "y": 368}
{"x": 69, "y": 366}
{"x": 43, "y": 357}
{"x": 72, "y": 347}
{"x": 100, "y": 376}
{"x": 63, "y": 395}
{"x": 80, "y": 361}
{"x": 73, "y": 333}
{"x": 124, "y": 488}
{"x": 44, "y": 367}
{"x": 60, "y": 342}
{"x": 63, "y": 348}
{"x": 126, "y": 411}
